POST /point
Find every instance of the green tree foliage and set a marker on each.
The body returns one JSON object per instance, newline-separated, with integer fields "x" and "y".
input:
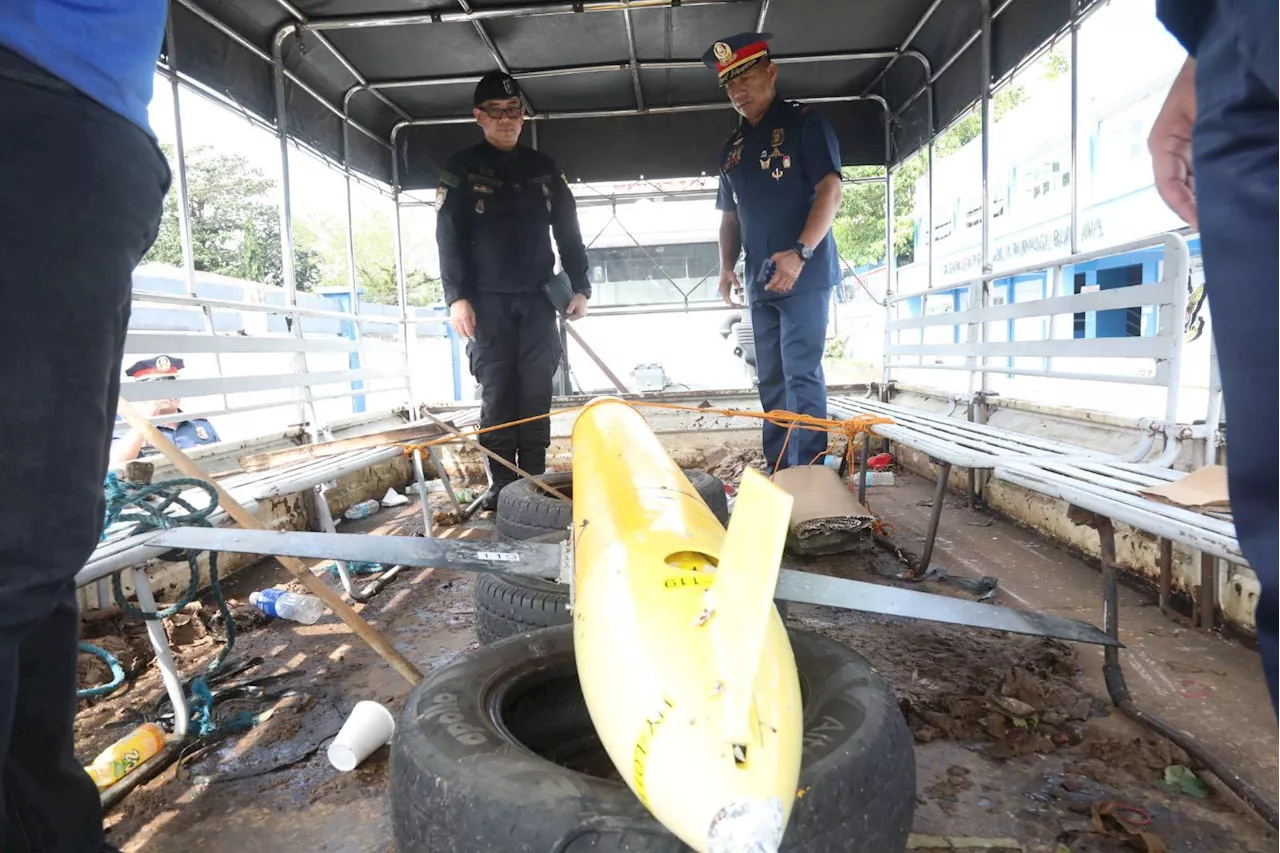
{"x": 235, "y": 222}
{"x": 859, "y": 225}
{"x": 375, "y": 255}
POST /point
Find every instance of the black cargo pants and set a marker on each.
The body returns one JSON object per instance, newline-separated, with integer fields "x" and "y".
{"x": 513, "y": 356}
{"x": 81, "y": 191}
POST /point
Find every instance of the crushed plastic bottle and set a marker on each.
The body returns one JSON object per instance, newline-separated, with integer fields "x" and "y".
{"x": 125, "y": 755}
{"x": 306, "y": 609}
{"x": 364, "y": 509}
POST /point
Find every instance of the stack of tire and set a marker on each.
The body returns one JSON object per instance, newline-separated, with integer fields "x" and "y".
{"x": 496, "y": 752}
{"x": 506, "y": 605}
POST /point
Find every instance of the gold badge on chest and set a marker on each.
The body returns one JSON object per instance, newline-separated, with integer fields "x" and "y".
{"x": 767, "y": 158}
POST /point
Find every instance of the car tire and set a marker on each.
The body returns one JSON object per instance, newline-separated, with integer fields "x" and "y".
{"x": 506, "y": 604}
{"x": 525, "y": 511}
{"x": 496, "y": 752}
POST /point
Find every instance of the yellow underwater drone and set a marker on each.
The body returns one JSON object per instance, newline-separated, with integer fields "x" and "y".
{"x": 683, "y": 659}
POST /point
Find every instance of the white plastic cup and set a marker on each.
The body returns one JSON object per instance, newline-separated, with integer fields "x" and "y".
{"x": 369, "y": 727}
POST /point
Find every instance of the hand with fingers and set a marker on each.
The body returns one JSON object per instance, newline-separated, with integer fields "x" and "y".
{"x": 731, "y": 288}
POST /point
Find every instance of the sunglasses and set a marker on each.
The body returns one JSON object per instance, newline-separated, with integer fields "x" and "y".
{"x": 503, "y": 112}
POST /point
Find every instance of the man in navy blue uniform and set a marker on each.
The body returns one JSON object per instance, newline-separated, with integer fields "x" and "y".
{"x": 82, "y": 185}
{"x": 1214, "y": 152}
{"x": 497, "y": 207}
{"x": 186, "y": 434}
{"x": 779, "y": 192}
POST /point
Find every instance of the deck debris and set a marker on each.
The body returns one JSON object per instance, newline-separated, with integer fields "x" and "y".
{"x": 728, "y": 464}
{"x": 930, "y": 843}
{"x": 1127, "y": 823}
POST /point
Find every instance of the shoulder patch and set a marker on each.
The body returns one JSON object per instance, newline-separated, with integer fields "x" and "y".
{"x": 449, "y": 179}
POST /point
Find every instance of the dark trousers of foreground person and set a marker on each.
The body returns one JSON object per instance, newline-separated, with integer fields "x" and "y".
{"x": 81, "y": 190}
{"x": 513, "y": 356}
{"x": 1235, "y": 154}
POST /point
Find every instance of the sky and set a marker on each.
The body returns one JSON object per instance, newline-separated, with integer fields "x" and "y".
{"x": 1120, "y": 42}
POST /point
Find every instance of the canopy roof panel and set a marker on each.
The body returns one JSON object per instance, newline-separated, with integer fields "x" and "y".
{"x": 615, "y": 88}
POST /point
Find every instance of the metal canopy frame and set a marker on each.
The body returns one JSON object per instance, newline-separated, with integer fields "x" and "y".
{"x": 366, "y": 104}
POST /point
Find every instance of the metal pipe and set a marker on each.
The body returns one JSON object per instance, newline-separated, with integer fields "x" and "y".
{"x": 327, "y": 525}
{"x": 1166, "y": 574}
{"x": 929, "y": 185}
{"x": 381, "y": 583}
{"x": 516, "y": 11}
{"x": 434, "y": 454}
{"x": 1206, "y": 601}
{"x": 1118, "y": 690}
{"x": 243, "y": 42}
{"x": 862, "y": 467}
{"x": 642, "y": 65}
{"x": 338, "y": 55}
{"x": 306, "y": 408}
{"x": 631, "y": 52}
{"x": 906, "y": 43}
{"x": 1213, "y": 418}
{"x": 164, "y": 657}
{"x": 939, "y": 500}
{"x": 184, "y": 197}
{"x": 424, "y": 502}
{"x": 764, "y": 13}
{"x": 986, "y": 137}
{"x": 402, "y": 293}
{"x": 1075, "y": 126}
{"x": 622, "y": 113}
{"x": 292, "y": 310}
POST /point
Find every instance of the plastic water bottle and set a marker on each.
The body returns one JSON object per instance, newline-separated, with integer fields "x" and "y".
{"x": 306, "y": 609}
{"x": 364, "y": 509}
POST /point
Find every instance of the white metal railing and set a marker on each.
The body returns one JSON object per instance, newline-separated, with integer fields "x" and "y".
{"x": 974, "y": 345}
{"x": 273, "y": 358}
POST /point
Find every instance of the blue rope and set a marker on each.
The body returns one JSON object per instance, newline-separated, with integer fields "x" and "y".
{"x": 356, "y": 567}
{"x": 117, "y": 672}
{"x": 129, "y": 502}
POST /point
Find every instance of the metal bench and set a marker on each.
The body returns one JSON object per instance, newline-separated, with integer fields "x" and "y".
{"x": 982, "y": 447}
{"x": 120, "y": 552}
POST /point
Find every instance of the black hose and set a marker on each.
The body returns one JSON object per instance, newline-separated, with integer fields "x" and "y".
{"x": 1118, "y": 690}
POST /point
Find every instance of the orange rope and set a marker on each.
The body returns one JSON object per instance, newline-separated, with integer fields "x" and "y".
{"x": 849, "y": 427}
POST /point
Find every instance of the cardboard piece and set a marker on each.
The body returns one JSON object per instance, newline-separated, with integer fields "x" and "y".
{"x": 1202, "y": 489}
{"x": 826, "y": 518}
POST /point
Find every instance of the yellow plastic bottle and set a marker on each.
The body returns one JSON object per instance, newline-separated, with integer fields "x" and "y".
{"x": 122, "y": 757}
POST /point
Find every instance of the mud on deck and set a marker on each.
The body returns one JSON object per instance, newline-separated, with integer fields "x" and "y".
{"x": 986, "y": 768}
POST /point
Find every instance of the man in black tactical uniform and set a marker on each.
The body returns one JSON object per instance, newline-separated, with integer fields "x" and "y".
{"x": 496, "y": 207}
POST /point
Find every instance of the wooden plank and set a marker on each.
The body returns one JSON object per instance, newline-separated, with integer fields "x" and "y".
{"x": 302, "y": 453}
{"x": 245, "y": 519}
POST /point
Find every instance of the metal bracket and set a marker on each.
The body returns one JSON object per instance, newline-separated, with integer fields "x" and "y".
{"x": 547, "y": 561}
{"x": 566, "y": 568}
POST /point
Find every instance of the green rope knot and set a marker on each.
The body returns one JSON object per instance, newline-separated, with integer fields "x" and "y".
{"x": 153, "y": 507}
